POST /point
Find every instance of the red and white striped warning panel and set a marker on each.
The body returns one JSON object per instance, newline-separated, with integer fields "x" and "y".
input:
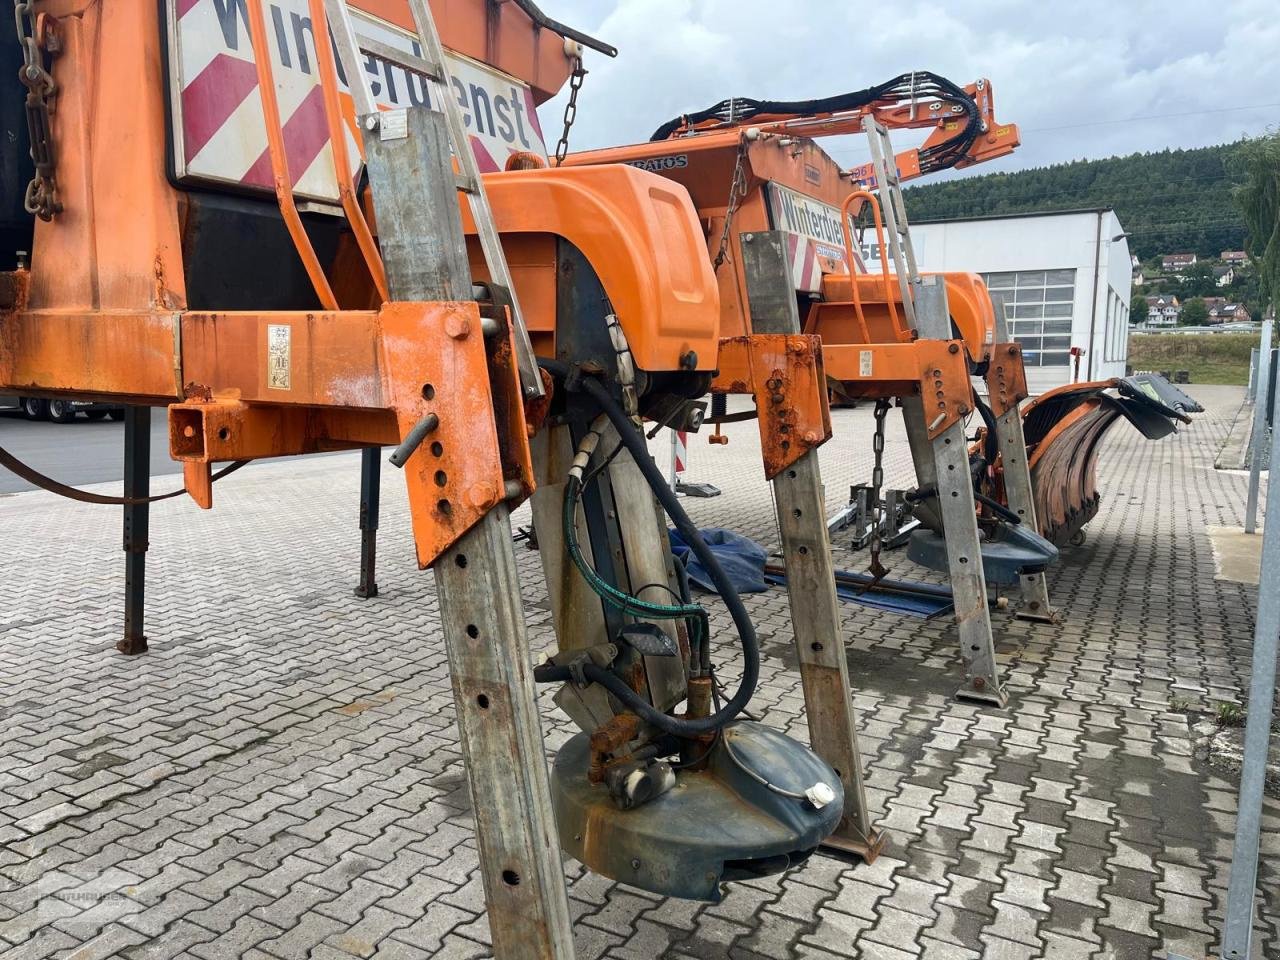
{"x": 219, "y": 135}
{"x": 815, "y": 242}
{"x": 679, "y": 450}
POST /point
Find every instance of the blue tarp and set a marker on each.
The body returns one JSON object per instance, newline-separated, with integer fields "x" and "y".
{"x": 911, "y": 605}
{"x": 741, "y": 557}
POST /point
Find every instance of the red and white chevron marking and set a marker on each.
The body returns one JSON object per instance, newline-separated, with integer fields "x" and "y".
{"x": 219, "y": 134}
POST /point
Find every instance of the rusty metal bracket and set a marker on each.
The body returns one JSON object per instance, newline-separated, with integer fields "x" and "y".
{"x": 368, "y": 381}
{"x": 785, "y": 373}
{"x": 1006, "y": 378}
{"x": 944, "y": 384}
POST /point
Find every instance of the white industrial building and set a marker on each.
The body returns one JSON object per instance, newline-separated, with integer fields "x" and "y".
{"x": 1064, "y": 279}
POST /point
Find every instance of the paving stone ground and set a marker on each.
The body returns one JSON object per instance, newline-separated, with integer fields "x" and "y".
{"x": 281, "y": 777}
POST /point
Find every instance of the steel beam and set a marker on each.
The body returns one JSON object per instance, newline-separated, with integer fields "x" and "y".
{"x": 490, "y": 665}
{"x": 137, "y": 523}
{"x": 370, "y": 496}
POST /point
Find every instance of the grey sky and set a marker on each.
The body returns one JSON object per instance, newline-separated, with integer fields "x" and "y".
{"x": 1054, "y": 66}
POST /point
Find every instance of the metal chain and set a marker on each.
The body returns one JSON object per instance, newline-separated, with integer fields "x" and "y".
{"x": 877, "y": 569}
{"x": 41, "y": 198}
{"x": 570, "y": 109}
{"x": 737, "y": 191}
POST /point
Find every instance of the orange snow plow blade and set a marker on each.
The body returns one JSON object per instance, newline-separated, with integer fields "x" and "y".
{"x": 1064, "y": 430}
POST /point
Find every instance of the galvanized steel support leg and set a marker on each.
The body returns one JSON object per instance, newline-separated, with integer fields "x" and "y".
{"x": 944, "y": 462}
{"x": 425, "y": 253}
{"x": 1237, "y": 933}
{"x": 370, "y": 495}
{"x": 819, "y": 639}
{"x": 1022, "y": 501}
{"x": 811, "y": 580}
{"x": 492, "y": 673}
{"x": 137, "y": 483}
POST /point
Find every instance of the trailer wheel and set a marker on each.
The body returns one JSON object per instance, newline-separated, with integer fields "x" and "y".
{"x": 60, "y": 411}
{"x": 35, "y": 409}
{"x": 96, "y": 415}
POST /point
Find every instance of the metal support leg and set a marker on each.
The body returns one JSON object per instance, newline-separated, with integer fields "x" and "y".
{"x": 1237, "y": 934}
{"x": 370, "y": 495}
{"x": 425, "y": 252}
{"x": 492, "y": 673}
{"x": 137, "y": 483}
{"x": 819, "y": 639}
{"x": 1022, "y": 501}
{"x": 945, "y": 461}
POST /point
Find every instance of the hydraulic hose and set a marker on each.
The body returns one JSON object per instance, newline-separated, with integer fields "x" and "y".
{"x": 635, "y": 443}
{"x": 991, "y": 446}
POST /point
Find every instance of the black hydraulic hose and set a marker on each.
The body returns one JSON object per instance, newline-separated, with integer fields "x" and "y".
{"x": 992, "y": 445}
{"x": 639, "y": 450}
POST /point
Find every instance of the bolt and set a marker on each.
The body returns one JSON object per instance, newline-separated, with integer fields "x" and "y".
{"x": 481, "y": 494}
{"x": 457, "y": 327}
{"x": 954, "y": 348}
{"x": 979, "y": 682}
{"x": 371, "y": 122}
{"x": 689, "y": 361}
{"x": 810, "y": 436}
{"x": 635, "y": 864}
{"x": 1013, "y": 351}
{"x": 748, "y": 237}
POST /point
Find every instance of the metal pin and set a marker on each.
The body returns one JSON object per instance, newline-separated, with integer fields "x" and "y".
{"x": 414, "y": 440}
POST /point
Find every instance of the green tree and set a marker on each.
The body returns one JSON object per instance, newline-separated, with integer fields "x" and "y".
{"x": 1259, "y": 199}
{"x": 1194, "y": 313}
{"x": 1138, "y": 308}
{"x": 1198, "y": 280}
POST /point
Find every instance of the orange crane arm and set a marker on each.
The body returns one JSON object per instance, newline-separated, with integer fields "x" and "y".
{"x": 964, "y": 128}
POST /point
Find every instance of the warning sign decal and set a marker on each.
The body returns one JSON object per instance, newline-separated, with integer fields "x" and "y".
{"x": 219, "y": 134}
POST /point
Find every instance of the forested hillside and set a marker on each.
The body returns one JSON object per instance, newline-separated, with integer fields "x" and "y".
{"x": 1174, "y": 200}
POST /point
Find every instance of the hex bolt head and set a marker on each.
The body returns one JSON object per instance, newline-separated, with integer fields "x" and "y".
{"x": 457, "y": 327}
{"x": 954, "y": 348}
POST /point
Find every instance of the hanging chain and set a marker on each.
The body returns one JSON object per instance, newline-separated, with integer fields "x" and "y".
{"x": 877, "y": 569}
{"x": 737, "y": 191}
{"x": 570, "y": 109}
{"x": 41, "y": 198}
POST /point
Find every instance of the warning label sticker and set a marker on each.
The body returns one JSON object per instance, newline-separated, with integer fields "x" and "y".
{"x": 220, "y": 138}
{"x": 864, "y": 363}
{"x": 279, "y": 356}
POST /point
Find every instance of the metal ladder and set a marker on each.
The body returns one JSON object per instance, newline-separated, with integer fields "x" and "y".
{"x": 889, "y": 189}
{"x": 434, "y": 69}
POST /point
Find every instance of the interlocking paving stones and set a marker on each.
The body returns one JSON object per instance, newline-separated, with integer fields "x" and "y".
{"x": 281, "y": 773}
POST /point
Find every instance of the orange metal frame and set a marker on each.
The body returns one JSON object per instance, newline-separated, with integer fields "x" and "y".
{"x": 866, "y": 346}
{"x": 102, "y": 311}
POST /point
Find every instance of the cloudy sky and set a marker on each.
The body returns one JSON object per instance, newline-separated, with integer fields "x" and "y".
{"x": 1178, "y": 73}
